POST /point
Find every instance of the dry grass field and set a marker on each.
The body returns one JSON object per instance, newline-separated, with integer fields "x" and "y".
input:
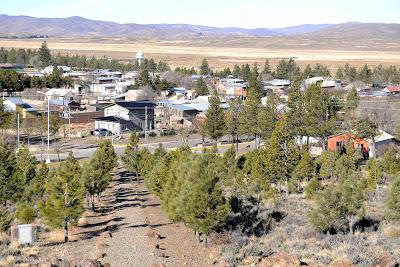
{"x": 224, "y": 53}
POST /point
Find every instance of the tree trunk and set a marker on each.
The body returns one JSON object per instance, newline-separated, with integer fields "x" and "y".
{"x": 287, "y": 188}
{"x": 65, "y": 230}
{"x": 351, "y": 224}
{"x": 237, "y": 148}
{"x": 137, "y": 177}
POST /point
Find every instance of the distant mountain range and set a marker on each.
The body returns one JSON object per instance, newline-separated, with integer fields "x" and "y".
{"x": 21, "y": 26}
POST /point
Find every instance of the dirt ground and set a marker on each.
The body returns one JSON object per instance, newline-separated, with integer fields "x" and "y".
{"x": 130, "y": 229}
{"x": 220, "y": 54}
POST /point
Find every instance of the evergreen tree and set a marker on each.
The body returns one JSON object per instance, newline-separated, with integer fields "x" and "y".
{"x": 326, "y": 164}
{"x": 287, "y": 69}
{"x": 249, "y": 115}
{"x": 365, "y": 74}
{"x": 344, "y": 201}
{"x": 232, "y": 121}
{"x": 237, "y": 72}
{"x": 131, "y": 155}
{"x": 339, "y": 74}
{"x": 205, "y": 68}
{"x": 44, "y": 55}
{"x": 214, "y": 125}
{"x": 305, "y": 169}
{"x": 352, "y": 100}
{"x": 201, "y": 203}
{"x": 296, "y": 112}
{"x": 282, "y": 156}
{"x": 268, "y": 117}
{"x": 25, "y": 172}
{"x": 367, "y": 128}
{"x": 38, "y": 185}
{"x": 64, "y": 204}
{"x": 391, "y": 161}
{"x": 25, "y": 213}
{"x": 201, "y": 87}
{"x": 320, "y": 110}
{"x": 9, "y": 184}
{"x": 392, "y": 207}
{"x": 307, "y": 72}
{"x": 374, "y": 174}
{"x": 267, "y": 68}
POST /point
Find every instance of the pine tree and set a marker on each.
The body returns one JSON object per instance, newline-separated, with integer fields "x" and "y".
{"x": 201, "y": 203}
{"x": 25, "y": 213}
{"x": 201, "y": 87}
{"x": 390, "y": 161}
{"x": 305, "y": 169}
{"x": 64, "y": 204}
{"x": 204, "y": 68}
{"x": 392, "y": 211}
{"x": 326, "y": 164}
{"x": 339, "y": 74}
{"x": 249, "y": 115}
{"x": 352, "y": 100}
{"x": 232, "y": 121}
{"x": 344, "y": 201}
{"x": 268, "y": 117}
{"x": 374, "y": 174}
{"x": 25, "y": 172}
{"x": 320, "y": 111}
{"x": 282, "y": 156}
{"x": 9, "y": 184}
{"x": 44, "y": 55}
{"x": 214, "y": 125}
{"x": 38, "y": 185}
{"x": 367, "y": 128}
{"x": 296, "y": 112}
{"x": 267, "y": 68}
{"x": 307, "y": 72}
{"x": 131, "y": 157}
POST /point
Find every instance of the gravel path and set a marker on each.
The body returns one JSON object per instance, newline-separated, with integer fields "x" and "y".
{"x": 129, "y": 228}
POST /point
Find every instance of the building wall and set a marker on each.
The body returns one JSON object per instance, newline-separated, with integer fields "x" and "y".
{"x": 117, "y": 111}
{"x": 345, "y": 139}
{"x": 111, "y": 126}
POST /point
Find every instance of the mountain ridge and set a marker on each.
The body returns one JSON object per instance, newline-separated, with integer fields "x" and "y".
{"x": 75, "y": 26}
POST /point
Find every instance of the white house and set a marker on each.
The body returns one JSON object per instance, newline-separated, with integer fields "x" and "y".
{"x": 49, "y": 69}
{"x": 59, "y": 94}
{"x": 15, "y": 104}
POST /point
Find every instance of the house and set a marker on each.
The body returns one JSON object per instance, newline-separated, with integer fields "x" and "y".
{"x": 392, "y": 89}
{"x": 339, "y": 141}
{"x": 49, "y": 69}
{"x": 127, "y": 115}
{"x": 15, "y": 104}
{"x": 59, "y": 94}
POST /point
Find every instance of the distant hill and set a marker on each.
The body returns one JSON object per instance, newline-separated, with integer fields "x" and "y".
{"x": 22, "y": 26}
{"x": 357, "y": 30}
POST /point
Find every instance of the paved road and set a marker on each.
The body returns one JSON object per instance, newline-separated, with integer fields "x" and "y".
{"x": 82, "y": 151}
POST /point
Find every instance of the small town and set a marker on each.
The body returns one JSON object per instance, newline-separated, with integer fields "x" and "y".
{"x": 138, "y": 158}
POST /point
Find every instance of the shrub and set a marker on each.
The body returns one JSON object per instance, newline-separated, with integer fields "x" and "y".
{"x": 25, "y": 213}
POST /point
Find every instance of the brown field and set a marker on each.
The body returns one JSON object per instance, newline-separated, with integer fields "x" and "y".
{"x": 220, "y": 53}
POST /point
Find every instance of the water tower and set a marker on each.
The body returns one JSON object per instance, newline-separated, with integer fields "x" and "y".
{"x": 139, "y": 57}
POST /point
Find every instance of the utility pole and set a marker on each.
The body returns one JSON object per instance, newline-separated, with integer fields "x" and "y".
{"x": 145, "y": 124}
{"x": 17, "y": 131}
{"x": 48, "y": 125}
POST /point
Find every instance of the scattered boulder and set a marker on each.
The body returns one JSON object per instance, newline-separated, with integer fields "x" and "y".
{"x": 280, "y": 260}
{"x": 251, "y": 261}
{"x": 341, "y": 263}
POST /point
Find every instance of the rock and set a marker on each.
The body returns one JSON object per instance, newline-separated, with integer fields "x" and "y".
{"x": 280, "y": 260}
{"x": 385, "y": 260}
{"x": 158, "y": 265}
{"x": 341, "y": 263}
{"x": 251, "y": 261}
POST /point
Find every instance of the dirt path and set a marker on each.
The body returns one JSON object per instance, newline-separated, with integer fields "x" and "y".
{"x": 130, "y": 229}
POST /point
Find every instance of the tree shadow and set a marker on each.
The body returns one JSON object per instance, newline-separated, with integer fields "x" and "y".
{"x": 116, "y": 219}
{"x": 95, "y": 233}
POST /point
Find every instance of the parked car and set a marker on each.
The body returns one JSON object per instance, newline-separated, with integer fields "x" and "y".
{"x": 102, "y": 132}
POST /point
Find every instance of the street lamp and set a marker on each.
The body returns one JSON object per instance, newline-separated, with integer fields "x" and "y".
{"x": 48, "y": 125}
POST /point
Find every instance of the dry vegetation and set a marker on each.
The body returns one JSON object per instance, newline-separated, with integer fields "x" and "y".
{"x": 226, "y": 52}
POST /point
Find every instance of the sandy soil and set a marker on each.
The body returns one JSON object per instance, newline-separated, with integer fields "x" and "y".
{"x": 130, "y": 229}
{"x": 185, "y": 53}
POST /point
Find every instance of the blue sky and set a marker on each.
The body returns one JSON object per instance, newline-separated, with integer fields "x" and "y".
{"x": 241, "y": 13}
